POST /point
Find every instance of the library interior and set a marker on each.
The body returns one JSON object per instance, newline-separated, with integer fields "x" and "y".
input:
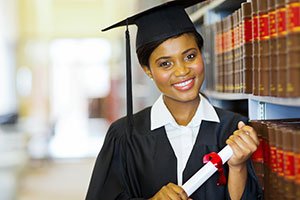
{"x": 63, "y": 83}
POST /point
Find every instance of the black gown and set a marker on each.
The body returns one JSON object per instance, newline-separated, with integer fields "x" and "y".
{"x": 136, "y": 166}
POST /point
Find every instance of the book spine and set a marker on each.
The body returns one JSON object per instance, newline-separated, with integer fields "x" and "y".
{"x": 232, "y": 56}
{"x": 273, "y": 44}
{"x": 266, "y": 155}
{"x": 289, "y": 160}
{"x": 296, "y": 148}
{"x": 263, "y": 43}
{"x": 279, "y": 155}
{"x": 242, "y": 67}
{"x": 293, "y": 48}
{"x": 281, "y": 48}
{"x": 257, "y": 157}
{"x": 222, "y": 46}
{"x": 255, "y": 46}
{"x": 237, "y": 66}
{"x": 273, "y": 160}
{"x": 226, "y": 53}
{"x": 218, "y": 57}
{"x": 247, "y": 47}
{"x": 234, "y": 49}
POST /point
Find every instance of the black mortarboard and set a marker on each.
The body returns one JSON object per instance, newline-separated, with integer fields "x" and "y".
{"x": 155, "y": 24}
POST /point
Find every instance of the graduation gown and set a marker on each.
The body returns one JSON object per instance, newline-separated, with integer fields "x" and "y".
{"x": 137, "y": 165}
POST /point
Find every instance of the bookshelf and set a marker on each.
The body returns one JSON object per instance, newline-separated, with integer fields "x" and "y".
{"x": 274, "y": 113}
{"x": 256, "y": 107}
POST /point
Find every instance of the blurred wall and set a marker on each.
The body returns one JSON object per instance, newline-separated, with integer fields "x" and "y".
{"x": 40, "y": 21}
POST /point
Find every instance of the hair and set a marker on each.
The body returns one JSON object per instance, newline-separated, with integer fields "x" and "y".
{"x": 145, "y": 51}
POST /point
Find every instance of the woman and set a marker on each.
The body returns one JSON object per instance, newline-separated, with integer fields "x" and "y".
{"x": 167, "y": 141}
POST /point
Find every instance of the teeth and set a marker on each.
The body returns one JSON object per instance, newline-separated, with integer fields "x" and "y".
{"x": 183, "y": 83}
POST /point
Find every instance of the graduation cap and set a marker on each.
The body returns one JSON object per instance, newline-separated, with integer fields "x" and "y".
{"x": 155, "y": 24}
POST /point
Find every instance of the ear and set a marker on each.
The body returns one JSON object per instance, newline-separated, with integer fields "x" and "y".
{"x": 147, "y": 71}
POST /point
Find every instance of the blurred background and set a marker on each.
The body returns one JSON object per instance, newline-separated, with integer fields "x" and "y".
{"x": 62, "y": 83}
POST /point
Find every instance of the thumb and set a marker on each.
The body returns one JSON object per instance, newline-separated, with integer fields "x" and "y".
{"x": 241, "y": 124}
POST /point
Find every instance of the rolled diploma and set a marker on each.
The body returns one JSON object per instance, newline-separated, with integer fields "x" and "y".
{"x": 205, "y": 172}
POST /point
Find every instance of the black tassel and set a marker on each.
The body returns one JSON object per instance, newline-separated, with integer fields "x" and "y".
{"x": 129, "y": 82}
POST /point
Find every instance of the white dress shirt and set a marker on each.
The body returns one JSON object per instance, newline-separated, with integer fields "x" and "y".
{"x": 182, "y": 138}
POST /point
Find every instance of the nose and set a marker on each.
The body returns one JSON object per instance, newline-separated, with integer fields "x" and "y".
{"x": 181, "y": 69}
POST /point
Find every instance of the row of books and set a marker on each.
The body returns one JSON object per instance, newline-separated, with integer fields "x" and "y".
{"x": 257, "y": 49}
{"x": 277, "y": 159}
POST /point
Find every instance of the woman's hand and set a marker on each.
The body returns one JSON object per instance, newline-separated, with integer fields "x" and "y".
{"x": 170, "y": 192}
{"x": 244, "y": 143}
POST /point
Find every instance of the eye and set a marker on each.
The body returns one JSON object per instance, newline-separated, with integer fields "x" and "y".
{"x": 190, "y": 57}
{"x": 165, "y": 64}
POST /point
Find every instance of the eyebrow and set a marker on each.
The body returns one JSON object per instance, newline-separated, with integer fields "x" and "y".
{"x": 166, "y": 57}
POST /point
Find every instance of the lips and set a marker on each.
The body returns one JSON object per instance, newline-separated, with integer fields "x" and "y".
{"x": 184, "y": 85}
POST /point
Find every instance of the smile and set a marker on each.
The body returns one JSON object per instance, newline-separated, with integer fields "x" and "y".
{"x": 185, "y": 85}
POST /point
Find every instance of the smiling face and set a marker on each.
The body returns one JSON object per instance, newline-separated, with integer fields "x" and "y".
{"x": 176, "y": 66}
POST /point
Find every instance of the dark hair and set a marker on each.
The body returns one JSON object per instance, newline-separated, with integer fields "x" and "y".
{"x": 144, "y": 52}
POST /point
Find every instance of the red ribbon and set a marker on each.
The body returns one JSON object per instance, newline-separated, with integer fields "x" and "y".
{"x": 216, "y": 160}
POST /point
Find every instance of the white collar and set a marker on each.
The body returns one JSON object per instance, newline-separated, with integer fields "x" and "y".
{"x": 160, "y": 115}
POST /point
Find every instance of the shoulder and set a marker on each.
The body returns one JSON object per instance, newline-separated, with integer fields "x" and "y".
{"x": 141, "y": 119}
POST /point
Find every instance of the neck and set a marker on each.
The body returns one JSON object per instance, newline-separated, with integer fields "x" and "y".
{"x": 183, "y": 112}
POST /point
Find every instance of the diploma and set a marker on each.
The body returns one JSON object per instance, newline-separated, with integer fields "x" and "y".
{"x": 205, "y": 172}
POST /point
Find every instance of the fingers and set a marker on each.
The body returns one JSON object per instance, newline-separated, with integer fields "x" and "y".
{"x": 243, "y": 142}
{"x": 171, "y": 192}
{"x": 177, "y": 189}
{"x": 249, "y": 131}
{"x": 241, "y": 124}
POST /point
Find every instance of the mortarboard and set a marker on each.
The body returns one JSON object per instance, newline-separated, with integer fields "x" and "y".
{"x": 158, "y": 23}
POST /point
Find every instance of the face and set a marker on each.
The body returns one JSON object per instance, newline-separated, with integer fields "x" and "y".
{"x": 176, "y": 66}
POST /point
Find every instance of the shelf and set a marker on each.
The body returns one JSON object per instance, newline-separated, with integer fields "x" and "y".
{"x": 225, "y": 96}
{"x": 272, "y": 100}
{"x": 277, "y": 100}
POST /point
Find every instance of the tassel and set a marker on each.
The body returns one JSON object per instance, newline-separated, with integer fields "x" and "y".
{"x": 128, "y": 81}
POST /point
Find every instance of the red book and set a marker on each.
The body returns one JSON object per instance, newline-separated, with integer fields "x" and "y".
{"x": 227, "y": 43}
{"x": 257, "y": 156}
{"x": 296, "y": 149}
{"x": 218, "y": 54}
{"x": 263, "y": 44}
{"x": 273, "y": 160}
{"x": 281, "y": 48}
{"x": 231, "y": 68}
{"x": 279, "y": 131}
{"x": 255, "y": 25}
{"x": 247, "y": 47}
{"x": 273, "y": 48}
{"x": 289, "y": 164}
{"x": 293, "y": 48}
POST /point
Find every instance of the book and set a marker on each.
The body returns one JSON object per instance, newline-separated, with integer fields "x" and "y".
{"x": 296, "y": 149}
{"x": 247, "y": 47}
{"x": 242, "y": 67}
{"x": 263, "y": 46}
{"x": 222, "y": 41}
{"x": 279, "y": 131}
{"x": 289, "y": 161}
{"x": 255, "y": 25}
{"x": 219, "y": 56}
{"x": 236, "y": 49}
{"x": 293, "y": 48}
{"x": 273, "y": 48}
{"x": 281, "y": 48}
{"x": 231, "y": 58}
{"x": 273, "y": 160}
{"x": 257, "y": 157}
